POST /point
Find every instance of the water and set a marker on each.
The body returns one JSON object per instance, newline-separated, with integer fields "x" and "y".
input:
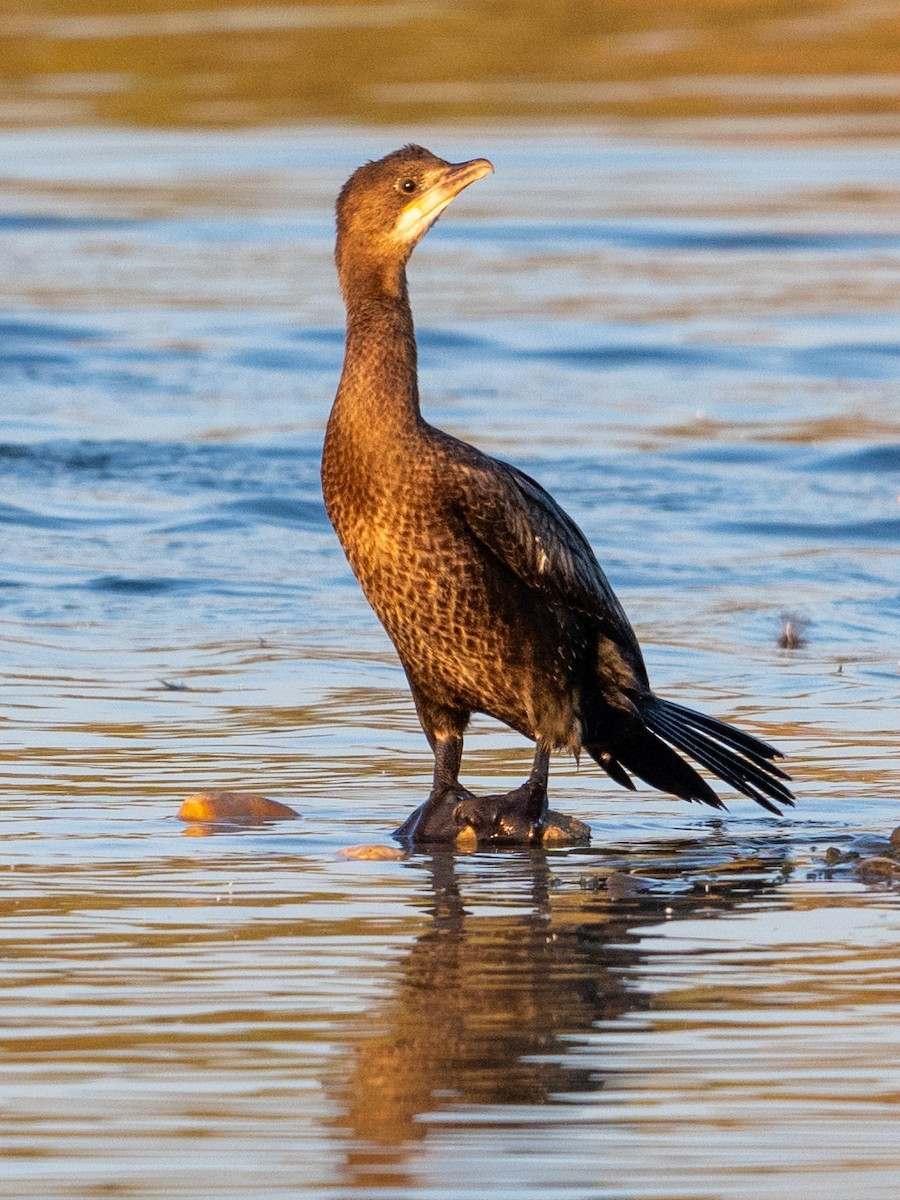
{"x": 694, "y": 346}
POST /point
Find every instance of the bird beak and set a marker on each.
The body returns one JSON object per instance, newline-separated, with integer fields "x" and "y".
{"x": 418, "y": 216}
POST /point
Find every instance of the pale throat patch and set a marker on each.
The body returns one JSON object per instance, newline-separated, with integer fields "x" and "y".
{"x": 417, "y": 217}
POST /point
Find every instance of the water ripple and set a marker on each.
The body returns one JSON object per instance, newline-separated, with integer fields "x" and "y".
{"x": 877, "y": 530}
{"x": 10, "y": 514}
{"x": 57, "y": 222}
{"x": 267, "y": 510}
{"x": 851, "y": 360}
{"x": 878, "y": 459}
{"x": 658, "y": 236}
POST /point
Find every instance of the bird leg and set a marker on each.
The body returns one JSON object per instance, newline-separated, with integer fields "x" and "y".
{"x": 515, "y": 818}
{"x": 436, "y": 820}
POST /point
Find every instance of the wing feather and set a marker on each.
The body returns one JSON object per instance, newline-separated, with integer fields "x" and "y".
{"x": 522, "y": 525}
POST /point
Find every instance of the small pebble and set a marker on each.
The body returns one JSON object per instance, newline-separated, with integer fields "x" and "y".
{"x": 373, "y": 853}
{"x": 235, "y": 808}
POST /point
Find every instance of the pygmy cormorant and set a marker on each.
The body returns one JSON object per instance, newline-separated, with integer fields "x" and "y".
{"x": 487, "y": 588}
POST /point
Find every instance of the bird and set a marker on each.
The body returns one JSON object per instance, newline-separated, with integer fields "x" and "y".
{"x": 489, "y": 591}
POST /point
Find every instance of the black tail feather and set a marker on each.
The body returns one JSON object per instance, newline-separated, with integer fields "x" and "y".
{"x": 736, "y": 757}
{"x": 610, "y": 765}
{"x": 651, "y": 759}
{"x": 745, "y": 743}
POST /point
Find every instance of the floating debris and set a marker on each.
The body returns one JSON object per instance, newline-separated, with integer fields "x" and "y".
{"x": 793, "y": 630}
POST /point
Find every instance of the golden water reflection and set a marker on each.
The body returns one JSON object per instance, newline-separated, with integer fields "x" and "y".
{"x": 566, "y": 1007}
{"x": 240, "y": 63}
{"x": 252, "y": 1016}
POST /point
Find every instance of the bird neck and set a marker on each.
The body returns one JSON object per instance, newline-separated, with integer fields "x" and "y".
{"x": 379, "y": 381}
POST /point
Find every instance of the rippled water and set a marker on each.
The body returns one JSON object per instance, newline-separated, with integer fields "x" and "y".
{"x": 695, "y": 347}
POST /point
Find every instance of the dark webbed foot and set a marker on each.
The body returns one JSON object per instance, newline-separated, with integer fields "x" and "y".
{"x": 436, "y": 820}
{"x": 514, "y": 818}
{"x": 453, "y": 814}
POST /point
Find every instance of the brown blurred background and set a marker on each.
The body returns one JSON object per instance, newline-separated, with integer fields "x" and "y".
{"x": 221, "y": 63}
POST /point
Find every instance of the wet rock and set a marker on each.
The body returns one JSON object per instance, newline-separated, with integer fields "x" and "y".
{"x": 561, "y": 830}
{"x": 620, "y": 886}
{"x": 592, "y": 883}
{"x": 877, "y": 869}
{"x": 834, "y": 856}
{"x": 233, "y": 808}
{"x": 373, "y": 853}
{"x": 895, "y": 840}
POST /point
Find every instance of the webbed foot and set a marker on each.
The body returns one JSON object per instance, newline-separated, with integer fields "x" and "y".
{"x": 437, "y": 820}
{"x": 454, "y": 814}
{"x": 514, "y": 818}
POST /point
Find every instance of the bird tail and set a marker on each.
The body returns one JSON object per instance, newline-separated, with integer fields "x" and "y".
{"x": 738, "y": 758}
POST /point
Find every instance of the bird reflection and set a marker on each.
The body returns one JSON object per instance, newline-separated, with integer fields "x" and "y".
{"x": 484, "y": 1005}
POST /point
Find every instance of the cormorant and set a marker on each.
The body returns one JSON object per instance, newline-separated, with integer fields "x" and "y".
{"x": 488, "y": 589}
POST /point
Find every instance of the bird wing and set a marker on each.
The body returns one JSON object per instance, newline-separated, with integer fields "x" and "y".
{"x": 523, "y": 526}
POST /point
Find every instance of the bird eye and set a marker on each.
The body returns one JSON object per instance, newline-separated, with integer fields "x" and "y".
{"x": 408, "y": 185}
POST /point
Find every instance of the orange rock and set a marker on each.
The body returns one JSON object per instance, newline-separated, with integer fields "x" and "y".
{"x": 236, "y": 808}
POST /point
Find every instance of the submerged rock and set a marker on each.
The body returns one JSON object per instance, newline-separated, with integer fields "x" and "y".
{"x": 233, "y": 808}
{"x": 878, "y": 868}
{"x": 373, "y": 853}
{"x": 621, "y": 885}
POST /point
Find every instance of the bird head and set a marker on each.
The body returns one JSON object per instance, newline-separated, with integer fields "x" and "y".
{"x": 386, "y": 207}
